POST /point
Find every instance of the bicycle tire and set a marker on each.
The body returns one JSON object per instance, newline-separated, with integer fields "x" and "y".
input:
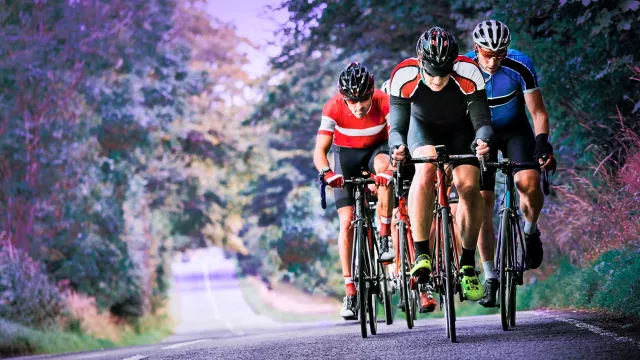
{"x": 513, "y": 278}
{"x": 505, "y": 241}
{"x": 512, "y": 302}
{"x": 449, "y": 274}
{"x": 404, "y": 268}
{"x": 386, "y": 295}
{"x": 416, "y": 297}
{"x": 362, "y": 283}
{"x": 373, "y": 282}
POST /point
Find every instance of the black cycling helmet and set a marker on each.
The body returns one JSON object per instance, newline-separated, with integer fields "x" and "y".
{"x": 437, "y": 51}
{"x": 356, "y": 82}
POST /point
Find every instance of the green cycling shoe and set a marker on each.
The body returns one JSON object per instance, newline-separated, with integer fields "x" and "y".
{"x": 471, "y": 287}
{"x": 422, "y": 268}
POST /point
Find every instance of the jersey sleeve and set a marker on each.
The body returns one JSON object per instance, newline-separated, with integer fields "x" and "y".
{"x": 523, "y": 66}
{"x": 528, "y": 75}
{"x": 405, "y": 78}
{"x": 399, "y": 117}
{"x": 329, "y": 118}
{"x": 403, "y": 83}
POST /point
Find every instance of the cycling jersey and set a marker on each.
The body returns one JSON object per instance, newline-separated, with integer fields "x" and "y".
{"x": 514, "y": 136}
{"x": 420, "y": 116}
{"x": 349, "y": 131}
{"x": 506, "y": 88}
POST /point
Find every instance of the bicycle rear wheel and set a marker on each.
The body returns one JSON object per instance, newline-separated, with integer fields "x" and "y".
{"x": 505, "y": 268}
{"x": 405, "y": 292}
{"x": 449, "y": 288}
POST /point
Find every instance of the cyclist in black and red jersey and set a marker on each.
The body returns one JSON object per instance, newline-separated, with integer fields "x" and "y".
{"x": 440, "y": 98}
{"x": 355, "y": 122}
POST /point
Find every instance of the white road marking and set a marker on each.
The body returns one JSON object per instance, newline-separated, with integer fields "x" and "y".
{"x": 214, "y": 305}
{"x": 179, "y": 345}
{"x": 599, "y": 331}
{"x": 136, "y": 357}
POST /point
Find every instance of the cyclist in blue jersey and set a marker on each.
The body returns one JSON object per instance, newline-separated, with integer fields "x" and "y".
{"x": 512, "y": 85}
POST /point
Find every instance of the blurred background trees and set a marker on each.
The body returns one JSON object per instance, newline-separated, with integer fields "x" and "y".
{"x": 131, "y": 130}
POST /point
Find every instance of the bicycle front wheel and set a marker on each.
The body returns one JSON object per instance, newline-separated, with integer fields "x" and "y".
{"x": 505, "y": 268}
{"x": 405, "y": 292}
{"x": 373, "y": 281}
{"x": 362, "y": 280}
{"x": 449, "y": 260}
{"x": 386, "y": 293}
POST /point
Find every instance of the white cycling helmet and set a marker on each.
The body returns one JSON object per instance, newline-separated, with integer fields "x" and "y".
{"x": 492, "y": 35}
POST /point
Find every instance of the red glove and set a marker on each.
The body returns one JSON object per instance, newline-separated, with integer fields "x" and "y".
{"x": 384, "y": 179}
{"x": 334, "y": 180}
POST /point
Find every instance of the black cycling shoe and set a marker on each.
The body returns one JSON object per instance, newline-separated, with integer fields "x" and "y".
{"x": 490, "y": 290}
{"x": 534, "y": 250}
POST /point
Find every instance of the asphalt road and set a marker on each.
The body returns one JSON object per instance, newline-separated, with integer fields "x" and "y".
{"x": 216, "y": 323}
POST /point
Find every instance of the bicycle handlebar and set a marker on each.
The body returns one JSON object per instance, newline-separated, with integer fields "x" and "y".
{"x": 506, "y": 165}
{"x": 354, "y": 181}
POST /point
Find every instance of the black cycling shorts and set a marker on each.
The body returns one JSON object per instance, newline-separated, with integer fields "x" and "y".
{"x": 516, "y": 145}
{"x": 457, "y": 139}
{"x": 350, "y": 162}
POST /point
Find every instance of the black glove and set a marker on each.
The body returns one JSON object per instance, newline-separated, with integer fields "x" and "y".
{"x": 544, "y": 151}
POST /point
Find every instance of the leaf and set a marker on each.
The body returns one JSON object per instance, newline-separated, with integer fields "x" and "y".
{"x": 583, "y": 18}
{"x": 629, "y": 5}
{"x": 604, "y": 18}
{"x": 626, "y": 25}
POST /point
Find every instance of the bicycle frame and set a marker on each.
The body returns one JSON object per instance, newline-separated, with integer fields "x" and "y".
{"x": 442, "y": 201}
{"x": 403, "y": 217}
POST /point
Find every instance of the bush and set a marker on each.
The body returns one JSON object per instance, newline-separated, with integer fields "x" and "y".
{"x": 26, "y": 295}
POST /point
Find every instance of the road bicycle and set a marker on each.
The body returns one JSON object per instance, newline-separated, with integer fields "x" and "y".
{"x": 368, "y": 273}
{"x": 445, "y": 275}
{"x": 510, "y": 251}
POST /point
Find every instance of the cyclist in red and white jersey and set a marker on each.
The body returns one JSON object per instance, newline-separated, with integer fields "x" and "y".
{"x": 354, "y": 121}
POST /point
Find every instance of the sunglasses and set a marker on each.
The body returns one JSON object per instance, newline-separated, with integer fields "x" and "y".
{"x": 353, "y": 102}
{"x": 433, "y": 75}
{"x": 498, "y": 55}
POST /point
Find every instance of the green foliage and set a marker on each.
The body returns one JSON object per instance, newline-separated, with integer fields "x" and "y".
{"x": 609, "y": 282}
{"x": 101, "y": 102}
{"x": 26, "y": 294}
{"x": 583, "y": 51}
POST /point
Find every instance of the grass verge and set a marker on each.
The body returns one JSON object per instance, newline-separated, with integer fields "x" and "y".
{"x": 259, "y": 306}
{"x": 16, "y": 339}
{"x": 611, "y": 282}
